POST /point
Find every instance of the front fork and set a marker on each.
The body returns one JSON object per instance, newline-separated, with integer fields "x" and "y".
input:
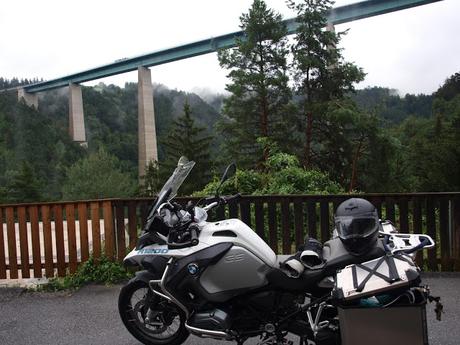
{"x": 158, "y": 287}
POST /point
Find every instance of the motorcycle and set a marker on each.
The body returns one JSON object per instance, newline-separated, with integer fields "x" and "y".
{"x": 221, "y": 280}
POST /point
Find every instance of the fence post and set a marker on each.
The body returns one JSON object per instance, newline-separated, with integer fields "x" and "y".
{"x": 109, "y": 233}
{"x": 2, "y": 249}
{"x": 120, "y": 241}
{"x": 456, "y": 233}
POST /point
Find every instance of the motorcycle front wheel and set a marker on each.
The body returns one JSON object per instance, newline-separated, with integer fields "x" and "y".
{"x": 149, "y": 318}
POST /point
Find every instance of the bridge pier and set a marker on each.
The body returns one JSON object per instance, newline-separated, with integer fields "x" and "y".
{"x": 76, "y": 116}
{"x": 31, "y": 99}
{"x": 146, "y": 121}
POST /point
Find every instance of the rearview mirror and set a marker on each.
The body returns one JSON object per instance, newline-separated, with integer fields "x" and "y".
{"x": 182, "y": 161}
{"x": 229, "y": 172}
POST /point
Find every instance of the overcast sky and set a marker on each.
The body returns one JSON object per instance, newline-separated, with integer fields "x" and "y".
{"x": 413, "y": 50}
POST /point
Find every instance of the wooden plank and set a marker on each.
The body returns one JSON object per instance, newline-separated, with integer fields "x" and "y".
{"x": 245, "y": 209}
{"x": 71, "y": 237}
{"x": 417, "y": 226}
{"x": 36, "y": 254}
{"x": 456, "y": 229}
{"x": 2, "y": 248}
{"x": 311, "y": 209}
{"x": 120, "y": 218}
{"x": 109, "y": 230}
{"x": 377, "y": 202}
{"x": 48, "y": 241}
{"x": 96, "y": 229}
{"x": 324, "y": 215}
{"x": 259, "y": 217}
{"x": 444, "y": 234}
{"x": 272, "y": 226}
{"x": 286, "y": 226}
{"x": 220, "y": 212}
{"x": 23, "y": 242}
{"x": 132, "y": 224}
{"x": 144, "y": 207}
{"x": 59, "y": 231}
{"x": 233, "y": 210}
{"x": 298, "y": 223}
{"x": 11, "y": 233}
{"x": 390, "y": 210}
{"x": 83, "y": 221}
{"x": 403, "y": 216}
{"x": 431, "y": 231}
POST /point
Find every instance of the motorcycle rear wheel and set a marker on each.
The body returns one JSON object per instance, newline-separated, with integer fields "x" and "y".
{"x": 167, "y": 322}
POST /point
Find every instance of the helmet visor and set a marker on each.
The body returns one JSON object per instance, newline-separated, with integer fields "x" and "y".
{"x": 353, "y": 227}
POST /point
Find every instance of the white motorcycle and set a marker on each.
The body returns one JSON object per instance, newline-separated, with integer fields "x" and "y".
{"x": 221, "y": 280}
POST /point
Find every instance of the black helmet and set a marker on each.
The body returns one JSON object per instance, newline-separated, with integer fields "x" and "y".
{"x": 357, "y": 225}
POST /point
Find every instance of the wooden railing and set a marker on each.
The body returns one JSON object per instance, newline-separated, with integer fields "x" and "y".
{"x": 53, "y": 238}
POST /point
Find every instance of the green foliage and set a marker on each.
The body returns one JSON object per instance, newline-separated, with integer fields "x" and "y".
{"x": 387, "y": 105}
{"x": 34, "y": 153}
{"x": 450, "y": 89}
{"x": 99, "y": 271}
{"x": 152, "y": 181}
{"x": 283, "y": 174}
{"x": 320, "y": 73}
{"x": 185, "y": 139}
{"x": 23, "y": 185}
{"x": 97, "y": 176}
{"x": 259, "y": 101}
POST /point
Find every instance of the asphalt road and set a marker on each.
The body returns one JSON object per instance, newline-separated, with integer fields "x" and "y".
{"x": 89, "y": 316}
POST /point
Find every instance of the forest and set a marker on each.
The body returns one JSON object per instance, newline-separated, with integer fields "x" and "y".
{"x": 291, "y": 119}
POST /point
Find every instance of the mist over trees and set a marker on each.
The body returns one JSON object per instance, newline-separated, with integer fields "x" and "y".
{"x": 292, "y": 122}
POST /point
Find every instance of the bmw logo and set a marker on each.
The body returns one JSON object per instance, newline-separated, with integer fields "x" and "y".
{"x": 192, "y": 269}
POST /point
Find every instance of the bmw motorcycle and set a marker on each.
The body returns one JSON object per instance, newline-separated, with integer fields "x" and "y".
{"x": 221, "y": 280}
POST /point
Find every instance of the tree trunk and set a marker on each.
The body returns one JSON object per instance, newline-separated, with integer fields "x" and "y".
{"x": 354, "y": 169}
{"x": 308, "y": 139}
{"x": 264, "y": 125}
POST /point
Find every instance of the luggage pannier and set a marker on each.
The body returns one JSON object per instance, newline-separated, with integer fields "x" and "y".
{"x": 376, "y": 299}
{"x": 373, "y": 277}
{"x": 395, "y": 325}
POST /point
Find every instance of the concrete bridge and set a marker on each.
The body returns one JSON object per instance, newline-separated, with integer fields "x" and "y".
{"x": 146, "y": 117}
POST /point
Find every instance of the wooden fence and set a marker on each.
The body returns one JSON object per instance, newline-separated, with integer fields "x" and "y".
{"x": 53, "y": 238}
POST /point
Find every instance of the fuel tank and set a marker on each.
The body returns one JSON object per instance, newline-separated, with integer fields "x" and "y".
{"x": 238, "y": 269}
{"x": 241, "y": 235}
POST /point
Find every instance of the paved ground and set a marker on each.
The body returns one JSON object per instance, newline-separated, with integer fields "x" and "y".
{"x": 90, "y": 316}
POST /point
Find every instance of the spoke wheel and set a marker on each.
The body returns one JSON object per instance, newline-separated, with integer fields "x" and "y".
{"x": 149, "y": 318}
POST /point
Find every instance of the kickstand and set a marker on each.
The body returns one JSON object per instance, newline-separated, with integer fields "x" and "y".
{"x": 439, "y": 308}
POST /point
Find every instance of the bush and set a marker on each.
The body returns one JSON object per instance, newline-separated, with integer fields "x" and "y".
{"x": 100, "y": 271}
{"x": 283, "y": 174}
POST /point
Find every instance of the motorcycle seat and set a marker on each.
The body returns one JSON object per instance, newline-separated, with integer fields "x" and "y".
{"x": 335, "y": 256}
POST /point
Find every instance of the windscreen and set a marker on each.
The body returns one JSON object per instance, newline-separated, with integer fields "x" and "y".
{"x": 177, "y": 178}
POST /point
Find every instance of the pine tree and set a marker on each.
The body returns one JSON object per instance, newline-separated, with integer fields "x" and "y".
{"x": 257, "y": 106}
{"x": 320, "y": 73}
{"x": 187, "y": 139}
{"x": 23, "y": 185}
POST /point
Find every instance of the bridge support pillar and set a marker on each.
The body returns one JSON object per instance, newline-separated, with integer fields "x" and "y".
{"x": 76, "y": 116}
{"x": 31, "y": 99}
{"x": 146, "y": 121}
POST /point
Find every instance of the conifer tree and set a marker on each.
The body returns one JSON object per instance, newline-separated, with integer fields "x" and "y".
{"x": 320, "y": 73}
{"x": 189, "y": 140}
{"x": 257, "y": 106}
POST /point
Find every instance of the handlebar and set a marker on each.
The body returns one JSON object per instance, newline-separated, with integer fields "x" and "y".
{"x": 188, "y": 237}
{"x": 194, "y": 230}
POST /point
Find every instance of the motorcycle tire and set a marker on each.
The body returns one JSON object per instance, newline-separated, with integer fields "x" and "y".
{"x": 133, "y": 316}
